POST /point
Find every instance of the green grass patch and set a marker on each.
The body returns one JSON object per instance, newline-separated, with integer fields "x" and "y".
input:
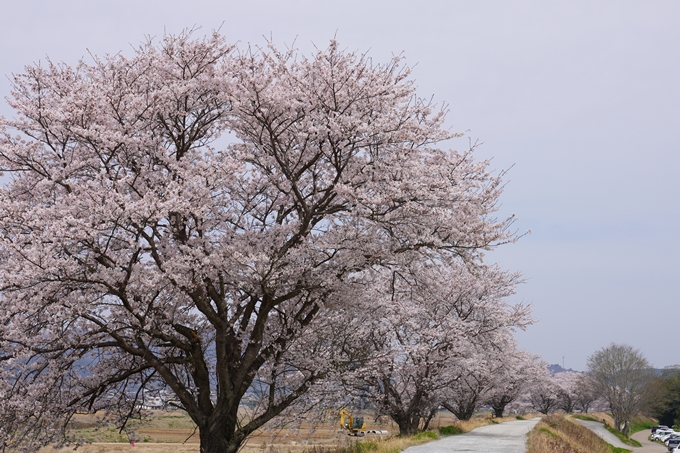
{"x": 449, "y": 430}
{"x": 618, "y": 450}
{"x": 549, "y": 432}
{"x": 107, "y": 435}
{"x": 519, "y": 417}
{"x": 640, "y": 424}
{"x": 426, "y": 435}
{"x": 585, "y": 417}
{"x": 623, "y": 438}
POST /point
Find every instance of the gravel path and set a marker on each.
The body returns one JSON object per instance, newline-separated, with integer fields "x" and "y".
{"x": 508, "y": 437}
{"x": 647, "y": 445}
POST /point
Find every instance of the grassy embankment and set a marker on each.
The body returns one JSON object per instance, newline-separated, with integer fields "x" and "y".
{"x": 642, "y": 423}
{"x": 559, "y": 434}
{"x": 637, "y": 424}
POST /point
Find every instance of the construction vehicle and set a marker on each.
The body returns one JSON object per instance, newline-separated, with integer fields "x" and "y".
{"x": 355, "y": 426}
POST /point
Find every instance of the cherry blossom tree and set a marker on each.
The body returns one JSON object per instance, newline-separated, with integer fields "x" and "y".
{"x": 543, "y": 395}
{"x": 475, "y": 376}
{"x": 586, "y": 393}
{"x": 514, "y": 380}
{"x": 568, "y": 385}
{"x": 432, "y": 325}
{"x": 199, "y": 218}
{"x": 464, "y": 395}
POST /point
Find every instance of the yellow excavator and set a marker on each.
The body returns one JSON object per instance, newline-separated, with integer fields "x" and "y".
{"x": 355, "y": 426}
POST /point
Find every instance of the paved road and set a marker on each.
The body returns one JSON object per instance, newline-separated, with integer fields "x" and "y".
{"x": 599, "y": 429}
{"x": 508, "y": 437}
{"x": 647, "y": 446}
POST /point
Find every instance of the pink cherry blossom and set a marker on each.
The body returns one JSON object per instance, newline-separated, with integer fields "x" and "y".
{"x": 208, "y": 220}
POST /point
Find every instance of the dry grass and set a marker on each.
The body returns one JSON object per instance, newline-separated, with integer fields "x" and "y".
{"x": 159, "y": 427}
{"x": 385, "y": 445}
{"x": 163, "y": 428}
{"x": 559, "y": 434}
{"x": 126, "y": 448}
{"x": 601, "y": 417}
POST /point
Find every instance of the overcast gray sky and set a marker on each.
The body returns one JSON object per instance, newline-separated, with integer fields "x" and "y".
{"x": 582, "y": 97}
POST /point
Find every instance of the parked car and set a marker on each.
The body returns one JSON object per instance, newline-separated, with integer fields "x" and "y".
{"x": 654, "y": 428}
{"x": 661, "y": 432}
{"x": 657, "y": 434}
{"x": 669, "y": 437}
{"x": 664, "y": 437}
{"x": 673, "y": 442}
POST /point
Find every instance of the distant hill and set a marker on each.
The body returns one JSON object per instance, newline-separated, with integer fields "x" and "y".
{"x": 556, "y": 368}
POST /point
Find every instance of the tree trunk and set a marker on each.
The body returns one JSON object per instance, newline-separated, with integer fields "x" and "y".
{"x": 218, "y": 440}
{"x": 465, "y": 413}
{"x": 429, "y": 418}
{"x": 626, "y": 428}
{"x": 407, "y": 425}
{"x": 219, "y": 433}
{"x": 214, "y": 442}
{"x": 498, "y": 411}
{"x": 462, "y": 412}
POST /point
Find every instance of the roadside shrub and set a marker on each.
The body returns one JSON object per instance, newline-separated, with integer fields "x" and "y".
{"x": 449, "y": 430}
{"x": 426, "y": 435}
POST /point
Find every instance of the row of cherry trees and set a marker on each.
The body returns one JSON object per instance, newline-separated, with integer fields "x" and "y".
{"x": 566, "y": 391}
{"x": 422, "y": 369}
{"x": 443, "y": 337}
{"x": 244, "y": 226}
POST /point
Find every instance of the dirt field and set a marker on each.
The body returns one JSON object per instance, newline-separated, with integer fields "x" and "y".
{"x": 174, "y": 432}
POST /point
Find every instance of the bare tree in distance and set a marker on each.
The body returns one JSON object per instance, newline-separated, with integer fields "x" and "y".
{"x": 623, "y": 377}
